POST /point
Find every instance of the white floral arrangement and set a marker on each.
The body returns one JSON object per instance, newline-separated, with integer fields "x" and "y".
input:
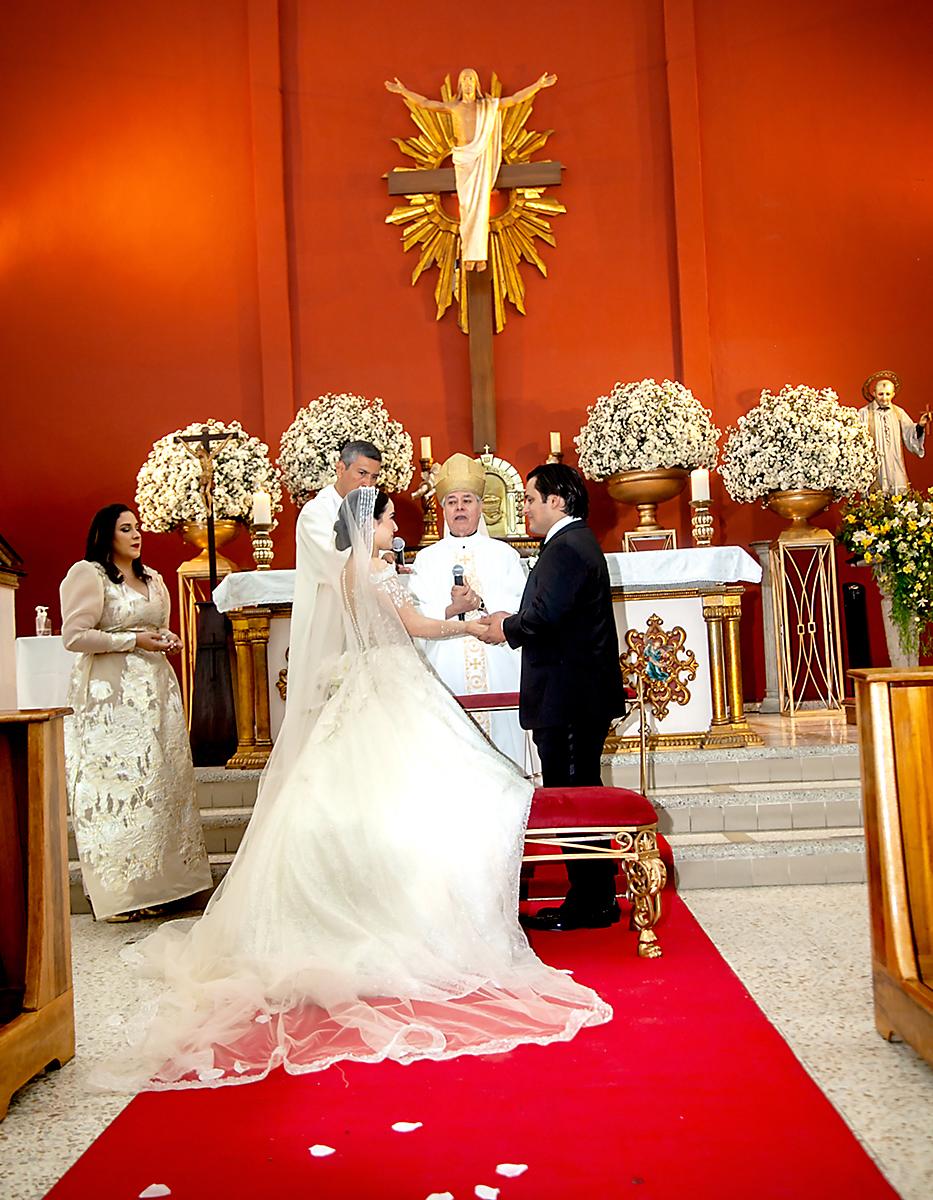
{"x": 311, "y": 445}
{"x": 800, "y": 438}
{"x": 645, "y": 426}
{"x": 168, "y": 483}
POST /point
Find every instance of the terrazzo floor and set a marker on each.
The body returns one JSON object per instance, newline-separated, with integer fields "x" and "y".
{"x": 801, "y": 951}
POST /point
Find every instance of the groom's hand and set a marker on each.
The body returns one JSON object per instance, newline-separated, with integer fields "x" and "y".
{"x": 494, "y": 635}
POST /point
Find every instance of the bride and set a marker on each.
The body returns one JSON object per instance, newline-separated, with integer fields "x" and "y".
{"x": 371, "y": 912}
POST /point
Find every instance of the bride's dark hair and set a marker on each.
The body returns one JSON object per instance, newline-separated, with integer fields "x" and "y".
{"x": 351, "y": 508}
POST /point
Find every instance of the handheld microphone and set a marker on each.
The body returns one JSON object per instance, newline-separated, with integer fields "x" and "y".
{"x": 458, "y": 582}
{"x": 398, "y": 549}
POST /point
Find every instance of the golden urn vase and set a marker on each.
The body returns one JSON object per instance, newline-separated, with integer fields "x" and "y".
{"x": 646, "y": 490}
{"x": 798, "y": 506}
{"x": 195, "y": 534}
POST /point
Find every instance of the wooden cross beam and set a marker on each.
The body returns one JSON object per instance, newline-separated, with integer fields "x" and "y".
{"x": 479, "y": 283}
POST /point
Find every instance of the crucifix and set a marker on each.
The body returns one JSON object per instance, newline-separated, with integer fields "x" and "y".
{"x": 478, "y": 255}
{"x": 200, "y": 450}
{"x": 213, "y": 719}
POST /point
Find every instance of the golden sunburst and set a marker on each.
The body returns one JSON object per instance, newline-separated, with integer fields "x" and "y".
{"x": 512, "y": 232}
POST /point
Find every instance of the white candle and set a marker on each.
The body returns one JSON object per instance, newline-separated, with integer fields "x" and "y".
{"x": 699, "y": 484}
{"x": 262, "y": 508}
{"x": 425, "y": 447}
{"x": 555, "y": 443}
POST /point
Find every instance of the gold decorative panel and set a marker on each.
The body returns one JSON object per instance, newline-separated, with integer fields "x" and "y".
{"x": 663, "y": 663}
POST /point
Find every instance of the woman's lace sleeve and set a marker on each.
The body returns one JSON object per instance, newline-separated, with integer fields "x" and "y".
{"x": 82, "y": 596}
{"x": 397, "y": 592}
{"x": 164, "y": 624}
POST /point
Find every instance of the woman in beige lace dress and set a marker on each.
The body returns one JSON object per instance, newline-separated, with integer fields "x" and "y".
{"x": 130, "y": 781}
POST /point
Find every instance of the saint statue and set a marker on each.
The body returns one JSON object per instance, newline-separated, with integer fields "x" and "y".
{"x": 892, "y": 429}
{"x": 477, "y": 154}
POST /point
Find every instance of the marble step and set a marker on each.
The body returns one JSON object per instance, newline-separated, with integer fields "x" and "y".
{"x": 817, "y": 805}
{"x": 689, "y": 769}
{"x": 711, "y": 860}
{"x": 767, "y": 858}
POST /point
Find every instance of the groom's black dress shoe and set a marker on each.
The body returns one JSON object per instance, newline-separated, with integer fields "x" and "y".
{"x": 561, "y": 919}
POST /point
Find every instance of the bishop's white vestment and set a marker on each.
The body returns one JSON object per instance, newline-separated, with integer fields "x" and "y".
{"x": 494, "y": 571}
{"x": 889, "y": 427}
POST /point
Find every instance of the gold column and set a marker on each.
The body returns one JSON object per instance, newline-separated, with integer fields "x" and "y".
{"x": 259, "y": 642}
{"x": 254, "y": 737}
{"x": 734, "y": 690}
{"x": 729, "y": 726}
{"x": 245, "y": 712}
{"x": 712, "y": 615}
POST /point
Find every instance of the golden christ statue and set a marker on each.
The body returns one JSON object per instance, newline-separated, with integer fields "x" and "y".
{"x": 477, "y": 154}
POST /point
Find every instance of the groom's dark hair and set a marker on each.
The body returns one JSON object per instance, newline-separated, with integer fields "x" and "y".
{"x": 557, "y": 479}
{"x": 351, "y": 451}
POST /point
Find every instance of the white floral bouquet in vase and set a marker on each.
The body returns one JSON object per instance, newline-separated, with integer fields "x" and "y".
{"x": 311, "y": 445}
{"x": 798, "y": 449}
{"x": 170, "y": 484}
{"x": 644, "y": 438}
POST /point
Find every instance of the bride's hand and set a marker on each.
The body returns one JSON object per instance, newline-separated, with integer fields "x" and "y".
{"x": 477, "y": 629}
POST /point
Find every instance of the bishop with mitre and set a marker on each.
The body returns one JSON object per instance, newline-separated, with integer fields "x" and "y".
{"x": 493, "y": 581}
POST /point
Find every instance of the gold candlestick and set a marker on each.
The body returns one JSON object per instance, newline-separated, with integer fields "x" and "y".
{"x": 701, "y": 522}
{"x": 556, "y": 456}
{"x": 261, "y": 536}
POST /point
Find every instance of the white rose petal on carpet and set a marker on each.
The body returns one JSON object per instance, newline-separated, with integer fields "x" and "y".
{"x": 511, "y": 1170}
{"x": 211, "y": 1073}
{"x": 407, "y": 1126}
{"x": 441, "y": 1196}
{"x": 153, "y": 1190}
{"x": 321, "y": 1151}
{"x": 485, "y": 1192}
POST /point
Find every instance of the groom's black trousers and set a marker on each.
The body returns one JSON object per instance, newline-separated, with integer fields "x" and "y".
{"x": 570, "y": 757}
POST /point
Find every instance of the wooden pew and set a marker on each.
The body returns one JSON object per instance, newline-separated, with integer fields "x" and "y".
{"x": 36, "y": 999}
{"x": 895, "y": 720}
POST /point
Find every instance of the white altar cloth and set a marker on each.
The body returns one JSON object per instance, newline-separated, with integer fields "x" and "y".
{"x": 254, "y": 589}
{"x": 644, "y": 568}
{"x": 678, "y": 568}
{"x": 43, "y": 668}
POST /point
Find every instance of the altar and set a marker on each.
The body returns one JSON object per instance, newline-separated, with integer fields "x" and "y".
{"x": 677, "y": 612}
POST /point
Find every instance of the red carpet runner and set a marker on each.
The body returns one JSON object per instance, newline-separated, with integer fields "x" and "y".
{"x": 689, "y": 1093}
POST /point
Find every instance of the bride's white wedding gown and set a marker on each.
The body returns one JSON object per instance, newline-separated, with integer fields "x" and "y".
{"x": 371, "y": 912}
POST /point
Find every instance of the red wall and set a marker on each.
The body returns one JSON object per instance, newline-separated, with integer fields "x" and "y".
{"x": 139, "y": 228}
{"x": 127, "y": 258}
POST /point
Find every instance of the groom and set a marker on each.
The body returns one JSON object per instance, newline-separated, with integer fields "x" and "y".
{"x": 571, "y": 684}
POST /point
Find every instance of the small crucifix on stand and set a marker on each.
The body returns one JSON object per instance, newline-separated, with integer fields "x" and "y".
{"x": 481, "y": 270}
{"x": 212, "y": 722}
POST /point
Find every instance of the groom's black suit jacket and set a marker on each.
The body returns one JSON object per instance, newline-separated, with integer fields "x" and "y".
{"x": 567, "y": 634}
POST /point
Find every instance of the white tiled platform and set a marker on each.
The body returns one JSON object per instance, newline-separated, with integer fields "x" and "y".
{"x": 802, "y": 952}
{"x": 789, "y": 811}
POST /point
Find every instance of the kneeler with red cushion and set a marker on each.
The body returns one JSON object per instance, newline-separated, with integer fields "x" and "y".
{"x": 576, "y": 819}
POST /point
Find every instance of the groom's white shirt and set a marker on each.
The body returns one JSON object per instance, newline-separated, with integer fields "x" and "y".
{"x": 316, "y": 559}
{"x": 557, "y": 526}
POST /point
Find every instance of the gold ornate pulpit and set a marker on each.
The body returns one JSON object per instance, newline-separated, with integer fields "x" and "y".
{"x": 895, "y": 720}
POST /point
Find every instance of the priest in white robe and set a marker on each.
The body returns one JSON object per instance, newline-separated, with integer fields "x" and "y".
{"x": 493, "y": 581}
{"x": 317, "y": 558}
{"x": 892, "y": 429}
